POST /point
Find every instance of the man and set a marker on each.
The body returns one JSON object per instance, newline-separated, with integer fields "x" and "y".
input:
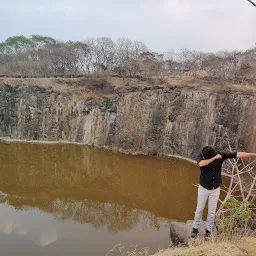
{"x": 210, "y": 163}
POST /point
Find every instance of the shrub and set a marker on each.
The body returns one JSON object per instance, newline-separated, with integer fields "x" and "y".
{"x": 235, "y": 217}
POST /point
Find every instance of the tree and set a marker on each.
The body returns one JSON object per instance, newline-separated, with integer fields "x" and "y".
{"x": 39, "y": 55}
{"x": 235, "y": 210}
{"x": 128, "y": 56}
{"x": 190, "y": 59}
{"x": 104, "y": 53}
{"x": 40, "y": 41}
{"x": 152, "y": 63}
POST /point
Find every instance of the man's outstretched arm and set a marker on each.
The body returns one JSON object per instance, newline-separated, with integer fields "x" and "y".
{"x": 245, "y": 155}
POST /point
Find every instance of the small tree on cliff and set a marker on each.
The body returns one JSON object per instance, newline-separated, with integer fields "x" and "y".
{"x": 236, "y": 209}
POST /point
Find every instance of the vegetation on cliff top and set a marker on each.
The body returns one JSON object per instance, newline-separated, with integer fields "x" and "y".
{"x": 106, "y": 86}
{"x": 42, "y": 56}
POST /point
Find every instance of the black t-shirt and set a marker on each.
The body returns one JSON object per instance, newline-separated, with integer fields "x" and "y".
{"x": 210, "y": 177}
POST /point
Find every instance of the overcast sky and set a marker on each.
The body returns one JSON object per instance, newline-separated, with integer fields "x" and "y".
{"x": 208, "y": 25}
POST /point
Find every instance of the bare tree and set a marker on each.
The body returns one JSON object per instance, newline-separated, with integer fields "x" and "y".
{"x": 128, "y": 56}
{"x": 104, "y": 53}
{"x": 44, "y": 56}
{"x": 238, "y": 171}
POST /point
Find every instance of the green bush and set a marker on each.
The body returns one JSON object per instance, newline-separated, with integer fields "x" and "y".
{"x": 235, "y": 216}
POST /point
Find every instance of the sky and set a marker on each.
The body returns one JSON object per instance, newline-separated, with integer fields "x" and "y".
{"x": 207, "y": 25}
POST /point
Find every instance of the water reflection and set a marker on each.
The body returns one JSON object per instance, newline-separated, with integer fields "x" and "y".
{"x": 42, "y": 240}
{"x": 40, "y": 174}
{"x": 33, "y": 232}
{"x": 105, "y": 196}
{"x": 109, "y": 217}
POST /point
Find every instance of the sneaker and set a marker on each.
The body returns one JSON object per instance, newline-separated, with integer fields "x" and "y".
{"x": 194, "y": 233}
{"x": 207, "y": 234}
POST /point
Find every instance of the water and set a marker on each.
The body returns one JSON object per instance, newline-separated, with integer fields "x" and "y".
{"x": 64, "y": 199}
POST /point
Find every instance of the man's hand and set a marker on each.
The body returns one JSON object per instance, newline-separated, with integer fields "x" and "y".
{"x": 218, "y": 156}
{"x": 205, "y": 162}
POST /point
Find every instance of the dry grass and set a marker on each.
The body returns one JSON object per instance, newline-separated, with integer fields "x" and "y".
{"x": 244, "y": 246}
{"x": 236, "y": 247}
{"x": 83, "y": 86}
{"x": 116, "y": 81}
{"x": 248, "y": 244}
{"x": 245, "y": 87}
{"x": 60, "y": 83}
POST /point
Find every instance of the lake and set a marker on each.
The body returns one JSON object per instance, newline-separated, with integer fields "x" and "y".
{"x": 67, "y": 199}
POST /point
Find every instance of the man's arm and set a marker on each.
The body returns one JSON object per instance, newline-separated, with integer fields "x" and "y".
{"x": 205, "y": 162}
{"x": 245, "y": 155}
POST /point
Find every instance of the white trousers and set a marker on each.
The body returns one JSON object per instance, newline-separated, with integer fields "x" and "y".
{"x": 213, "y": 197}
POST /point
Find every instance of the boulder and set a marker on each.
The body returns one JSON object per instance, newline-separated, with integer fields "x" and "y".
{"x": 178, "y": 234}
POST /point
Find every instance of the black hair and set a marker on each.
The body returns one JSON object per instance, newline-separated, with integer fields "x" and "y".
{"x": 208, "y": 152}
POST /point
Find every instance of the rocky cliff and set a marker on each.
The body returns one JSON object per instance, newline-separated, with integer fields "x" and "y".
{"x": 151, "y": 119}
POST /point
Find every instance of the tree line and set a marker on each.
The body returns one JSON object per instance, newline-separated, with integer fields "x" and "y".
{"x": 43, "y": 56}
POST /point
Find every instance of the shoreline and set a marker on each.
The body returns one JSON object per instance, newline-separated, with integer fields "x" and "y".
{"x": 113, "y": 149}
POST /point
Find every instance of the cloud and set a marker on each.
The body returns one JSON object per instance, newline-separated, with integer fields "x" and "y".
{"x": 198, "y": 24}
{"x": 40, "y": 239}
{"x": 179, "y": 9}
{"x": 48, "y": 9}
{"x": 40, "y": 9}
{"x": 45, "y": 240}
{"x": 67, "y": 9}
{"x": 21, "y": 232}
{"x": 8, "y": 228}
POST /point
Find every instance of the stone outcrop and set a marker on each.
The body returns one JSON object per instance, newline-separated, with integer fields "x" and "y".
{"x": 180, "y": 233}
{"x": 148, "y": 120}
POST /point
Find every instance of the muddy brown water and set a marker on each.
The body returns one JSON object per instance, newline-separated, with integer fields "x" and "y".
{"x": 64, "y": 199}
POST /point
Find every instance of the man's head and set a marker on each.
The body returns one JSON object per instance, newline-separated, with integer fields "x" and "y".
{"x": 208, "y": 152}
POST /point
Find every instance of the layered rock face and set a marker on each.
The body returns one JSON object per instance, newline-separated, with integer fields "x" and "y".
{"x": 156, "y": 121}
